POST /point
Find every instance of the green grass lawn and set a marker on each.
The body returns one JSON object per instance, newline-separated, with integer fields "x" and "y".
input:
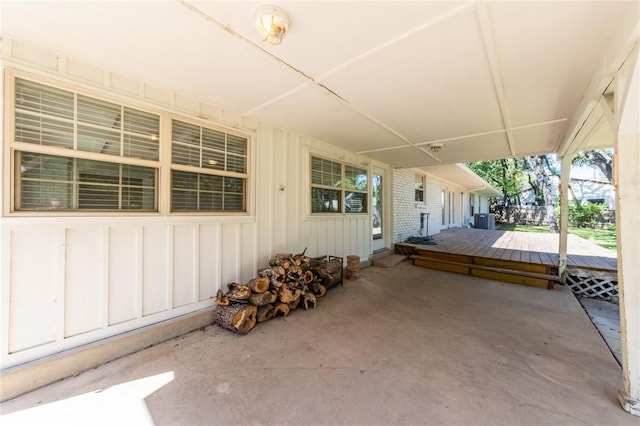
{"x": 522, "y": 228}
{"x": 605, "y": 238}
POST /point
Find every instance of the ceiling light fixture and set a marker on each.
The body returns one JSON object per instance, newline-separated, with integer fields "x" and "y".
{"x": 435, "y": 147}
{"x": 272, "y": 23}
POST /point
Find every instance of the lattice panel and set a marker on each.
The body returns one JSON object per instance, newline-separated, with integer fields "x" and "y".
{"x": 602, "y": 287}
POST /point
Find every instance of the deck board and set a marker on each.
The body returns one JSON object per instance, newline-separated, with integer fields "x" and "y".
{"x": 527, "y": 247}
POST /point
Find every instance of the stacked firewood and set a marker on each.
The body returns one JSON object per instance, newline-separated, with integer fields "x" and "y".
{"x": 290, "y": 281}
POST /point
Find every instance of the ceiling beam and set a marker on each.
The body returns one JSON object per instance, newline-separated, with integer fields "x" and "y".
{"x": 494, "y": 64}
{"x": 620, "y": 49}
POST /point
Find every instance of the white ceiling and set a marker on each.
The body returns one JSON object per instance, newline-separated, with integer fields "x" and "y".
{"x": 486, "y": 79}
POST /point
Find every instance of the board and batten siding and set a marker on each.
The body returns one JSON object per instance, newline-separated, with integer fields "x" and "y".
{"x": 69, "y": 281}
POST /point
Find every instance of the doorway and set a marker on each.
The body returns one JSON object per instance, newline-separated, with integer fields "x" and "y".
{"x": 377, "y": 210}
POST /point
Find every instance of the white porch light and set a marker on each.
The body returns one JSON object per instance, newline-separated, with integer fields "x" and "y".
{"x": 272, "y": 24}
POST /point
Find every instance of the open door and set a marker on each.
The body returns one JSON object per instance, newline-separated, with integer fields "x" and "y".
{"x": 377, "y": 210}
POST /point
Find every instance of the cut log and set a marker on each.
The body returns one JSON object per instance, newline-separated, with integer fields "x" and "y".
{"x": 287, "y": 294}
{"x": 237, "y": 317}
{"x": 281, "y": 309}
{"x": 259, "y": 285}
{"x": 309, "y": 299}
{"x": 262, "y": 299}
{"x": 238, "y": 292}
{"x": 221, "y": 299}
{"x": 308, "y": 277}
{"x": 329, "y": 270}
{"x": 294, "y": 305}
{"x": 318, "y": 289}
{"x": 265, "y": 313}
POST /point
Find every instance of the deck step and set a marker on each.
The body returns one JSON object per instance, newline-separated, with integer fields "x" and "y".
{"x": 389, "y": 260}
{"x": 499, "y": 273}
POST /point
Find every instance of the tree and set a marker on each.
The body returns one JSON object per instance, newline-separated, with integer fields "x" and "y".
{"x": 506, "y": 175}
{"x": 600, "y": 158}
{"x": 540, "y": 178}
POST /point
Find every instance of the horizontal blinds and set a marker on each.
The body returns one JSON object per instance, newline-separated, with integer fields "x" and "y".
{"x": 52, "y": 182}
{"x": 325, "y": 172}
{"x": 209, "y": 149}
{"x": 46, "y": 115}
{"x": 203, "y": 192}
{"x": 355, "y": 178}
{"x": 350, "y": 182}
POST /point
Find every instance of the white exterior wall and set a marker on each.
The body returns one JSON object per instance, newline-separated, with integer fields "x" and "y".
{"x": 483, "y": 203}
{"x": 586, "y": 190}
{"x": 67, "y": 281}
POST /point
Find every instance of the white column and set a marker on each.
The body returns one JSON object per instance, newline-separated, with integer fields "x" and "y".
{"x": 627, "y": 179}
{"x": 565, "y": 172}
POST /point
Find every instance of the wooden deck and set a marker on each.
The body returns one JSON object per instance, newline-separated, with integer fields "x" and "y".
{"x": 522, "y": 257}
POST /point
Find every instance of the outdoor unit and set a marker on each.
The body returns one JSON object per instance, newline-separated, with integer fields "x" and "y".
{"x": 484, "y": 220}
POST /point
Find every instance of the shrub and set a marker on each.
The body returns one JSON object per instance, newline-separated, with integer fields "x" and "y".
{"x": 585, "y": 216}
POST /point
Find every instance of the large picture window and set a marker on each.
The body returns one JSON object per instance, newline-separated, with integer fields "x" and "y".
{"x": 209, "y": 169}
{"x": 337, "y": 187}
{"x": 75, "y": 152}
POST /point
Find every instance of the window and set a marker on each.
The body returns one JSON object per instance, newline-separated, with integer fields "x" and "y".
{"x": 442, "y": 200}
{"x": 337, "y": 187}
{"x": 209, "y": 169}
{"x": 419, "y": 187}
{"x": 472, "y": 198}
{"x": 75, "y": 152}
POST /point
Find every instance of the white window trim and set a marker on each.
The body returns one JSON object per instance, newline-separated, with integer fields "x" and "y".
{"x": 249, "y": 176}
{"x": 343, "y": 190}
{"x": 424, "y": 189}
{"x": 163, "y": 165}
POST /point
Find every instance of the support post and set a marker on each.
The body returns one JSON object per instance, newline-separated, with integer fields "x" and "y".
{"x": 565, "y": 173}
{"x": 627, "y": 179}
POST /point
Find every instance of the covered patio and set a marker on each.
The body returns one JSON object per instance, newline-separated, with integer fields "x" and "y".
{"x": 430, "y": 348}
{"x": 357, "y": 89}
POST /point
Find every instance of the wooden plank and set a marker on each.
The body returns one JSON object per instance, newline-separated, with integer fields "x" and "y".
{"x": 508, "y": 264}
{"x": 506, "y": 271}
{"x": 440, "y": 265}
{"x": 516, "y": 279}
{"x": 530, "y": 248}
{"x": 445, "y": 256}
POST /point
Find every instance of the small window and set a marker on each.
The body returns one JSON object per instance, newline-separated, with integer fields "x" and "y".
{"x": 338, "y": 187}
{"x": 209, "y": 169}
{"x": 419, "y": 187}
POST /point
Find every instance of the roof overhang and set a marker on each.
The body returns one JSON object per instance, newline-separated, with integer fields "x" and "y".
{"x": 462, "y": 176}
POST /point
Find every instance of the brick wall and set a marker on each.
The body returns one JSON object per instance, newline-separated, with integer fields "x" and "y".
{"x": 406, "y": 211}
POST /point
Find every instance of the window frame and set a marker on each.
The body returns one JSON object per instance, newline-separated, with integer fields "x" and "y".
{"x": 247, "y": 176}
{"x": 12, "y": 149}
{"x": 343, "y": 190}
{"x": 422, "y": 191}
{"x": 162, "y": 165}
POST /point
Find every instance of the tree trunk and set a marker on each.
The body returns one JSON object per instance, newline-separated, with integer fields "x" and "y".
{"x": 237, "y": 317}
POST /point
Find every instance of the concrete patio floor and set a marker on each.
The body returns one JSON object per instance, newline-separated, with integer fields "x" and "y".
{"x": 399, "y": 346}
